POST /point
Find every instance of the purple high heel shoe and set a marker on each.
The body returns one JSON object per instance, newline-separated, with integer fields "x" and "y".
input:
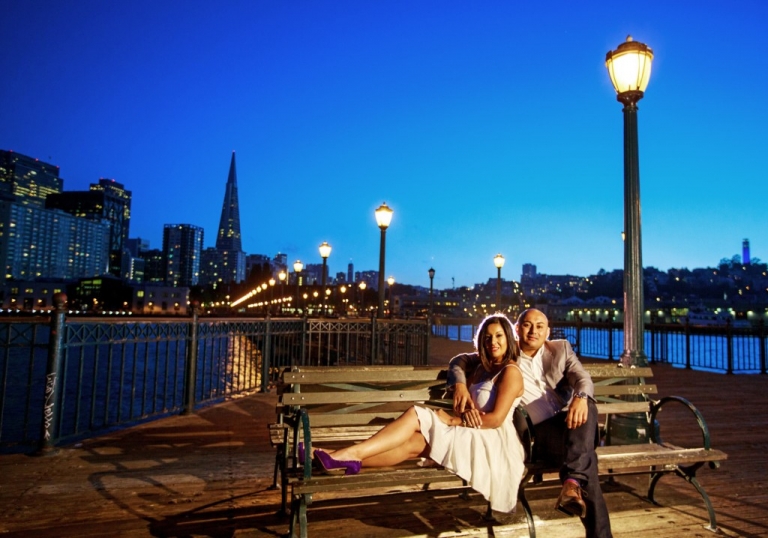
{"x": 331, "y": 465}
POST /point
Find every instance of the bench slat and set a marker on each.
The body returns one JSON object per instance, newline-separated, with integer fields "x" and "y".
{"x": 599, "y": 371}
{"x": 374, "y": 478}
{"x": 623, "y": 390}
{"x": 365, "y": 375}
{"x": 622, "y": 407}
{"x": 314, "y": 398}
{"x": 647, "y": 455}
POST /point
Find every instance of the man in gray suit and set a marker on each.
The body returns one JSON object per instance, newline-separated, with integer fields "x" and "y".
{"x": 559, "y": 398}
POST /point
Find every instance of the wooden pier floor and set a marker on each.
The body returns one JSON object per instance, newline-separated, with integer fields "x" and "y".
{"x": 208, "y": 475}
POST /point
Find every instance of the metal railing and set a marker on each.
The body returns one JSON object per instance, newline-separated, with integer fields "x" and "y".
{"x": 64, "y": 379}
{"x": 725, "y": 349}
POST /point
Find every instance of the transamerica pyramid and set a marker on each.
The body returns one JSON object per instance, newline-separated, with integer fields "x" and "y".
{"x": 229, "y": 224}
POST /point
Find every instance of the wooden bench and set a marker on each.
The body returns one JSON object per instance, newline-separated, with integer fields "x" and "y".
{"x": 334, "y": 406}
{"x": 625, "y": 393}
{"x": 346, "y": 404}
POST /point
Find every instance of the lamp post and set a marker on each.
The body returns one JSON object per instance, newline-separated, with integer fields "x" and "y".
{"x": 363, "y": 285}
{"x": 431, "y": 280}
{"x": 383, "y": 218}
{"x": 272, "y": 283}
{"x": 498, "y": 261}
{"x": 325, "y": 251}
{"x": 391, "y": 282}
{"x": 297, "y": 267}
{"x": 629, "y": 67}
{"x": 282, "y": 276}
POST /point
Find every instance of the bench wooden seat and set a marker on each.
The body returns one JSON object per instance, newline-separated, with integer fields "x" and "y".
{"x": 335, "y": 406}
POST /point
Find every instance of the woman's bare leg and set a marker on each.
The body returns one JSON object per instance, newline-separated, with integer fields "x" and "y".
{"x": 396, "y": 438}
{"x": 415, "y": 447}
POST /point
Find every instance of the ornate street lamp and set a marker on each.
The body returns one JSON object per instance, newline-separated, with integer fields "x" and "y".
{"x": 297, "y": 267}
{"x": 363, "y": 285}
{"x": 282, "y": 276}
{"x": 272, "y": 283}
{"x": 629, "y": 67}
{"x": 431, "y": 280}
{"x": 498, "y": 261}
{"x": 391, "y": 282}
{"x": 383, "y": 218}
{"x": 325, "y": 251}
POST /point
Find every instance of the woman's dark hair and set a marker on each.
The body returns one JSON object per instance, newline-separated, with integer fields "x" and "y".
{"x": 506, "y": 325}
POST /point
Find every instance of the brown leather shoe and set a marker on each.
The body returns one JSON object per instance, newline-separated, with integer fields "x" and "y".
{"x": 570, "y": 501}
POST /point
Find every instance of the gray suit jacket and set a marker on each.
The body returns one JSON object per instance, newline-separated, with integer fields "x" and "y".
{"x": 562, "y": 370}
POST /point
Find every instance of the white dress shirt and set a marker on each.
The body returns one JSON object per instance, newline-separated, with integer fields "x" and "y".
{"x": 539, "y": 399}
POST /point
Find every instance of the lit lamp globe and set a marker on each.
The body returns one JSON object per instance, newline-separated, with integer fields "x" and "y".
{"x": 498, "y": 261}
{"x": 298, "y": 266}
{"x": 325, "y": 250}
{"x": 629, "y": 67}
{"x": 383, "y": 216}
{"x": 391, "y": 281}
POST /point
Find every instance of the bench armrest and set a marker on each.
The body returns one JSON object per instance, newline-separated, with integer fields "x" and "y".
{"x": 656, "y": 407}
{"x": 524, "y": 428}
{"x": 301, "y": 422}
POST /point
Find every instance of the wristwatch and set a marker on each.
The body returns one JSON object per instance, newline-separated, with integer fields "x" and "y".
{"x": 583, "y": 395}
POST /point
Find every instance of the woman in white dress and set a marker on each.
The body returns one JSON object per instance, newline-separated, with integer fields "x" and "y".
{"x": 481, "y": 446}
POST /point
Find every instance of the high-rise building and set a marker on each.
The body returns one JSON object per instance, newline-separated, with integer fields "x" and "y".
{"x": 529, "y": 270}
{"x": 228, "y": 241}
{"x": 154, "y": 266}
{"x": 258, "y": 261}
{"x": 745, "y": 259}
{"x": 107, "y": 201}
{"x": 280, "y": 262}
{"x": 209, "y": 268}
{"x": 136, "y": 245}
{"x": 182, "y": 249}
{"x": 27, "y": 180}
{"x": 350, "y": 272}
{"x": 43, "y": 243}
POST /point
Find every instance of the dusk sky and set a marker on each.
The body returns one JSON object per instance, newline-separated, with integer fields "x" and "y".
{"x": 487, "y": 126}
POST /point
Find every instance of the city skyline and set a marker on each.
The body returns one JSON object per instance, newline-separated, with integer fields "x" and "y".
{"x": 451, "y": 116}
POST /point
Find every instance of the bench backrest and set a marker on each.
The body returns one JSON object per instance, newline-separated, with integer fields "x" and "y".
{"x": 360, "y": 395}
{"x": 355, "y": 395}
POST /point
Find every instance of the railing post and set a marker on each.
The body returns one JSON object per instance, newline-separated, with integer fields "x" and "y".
{"x": 374, "y": 347}
{"x": 762, "y": 347}
{"x": 304, "y": 343}
{"x": 729, "y": 336}
{"x": 50, "y": 425}
{"x": 610, "y": 337}
{"x": 652, "y": 330}
{"x": 266, "y": 355}
{"x": 190, "y": 370}
{"x": 429, "y": 339}
{"x": 578, "y": 335}
{"x": 687, "y": 344}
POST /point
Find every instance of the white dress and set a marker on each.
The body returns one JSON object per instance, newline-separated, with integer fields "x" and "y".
{"x": 490, "y": 460}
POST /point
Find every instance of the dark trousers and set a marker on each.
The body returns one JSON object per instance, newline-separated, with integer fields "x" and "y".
{"x": 574, "y": 452}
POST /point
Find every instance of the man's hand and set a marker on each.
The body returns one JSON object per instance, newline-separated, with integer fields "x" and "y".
{"x": 461, "y": 399}
{"x": 577, "y": 413}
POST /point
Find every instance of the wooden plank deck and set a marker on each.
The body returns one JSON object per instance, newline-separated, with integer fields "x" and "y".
{"x": 208, "y": 474}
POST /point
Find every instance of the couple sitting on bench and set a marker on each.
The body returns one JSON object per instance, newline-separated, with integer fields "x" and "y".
{"x": 480, "y": 443}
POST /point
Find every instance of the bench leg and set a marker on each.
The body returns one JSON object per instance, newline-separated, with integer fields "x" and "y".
{"x": 298, "y": 516}
{"x": 278, "y": 457}
{"x": 689, "y": 475}
{"x": 526, "y": 507}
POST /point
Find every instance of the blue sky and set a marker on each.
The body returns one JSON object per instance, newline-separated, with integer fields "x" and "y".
{"x": 487, "y": 126}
